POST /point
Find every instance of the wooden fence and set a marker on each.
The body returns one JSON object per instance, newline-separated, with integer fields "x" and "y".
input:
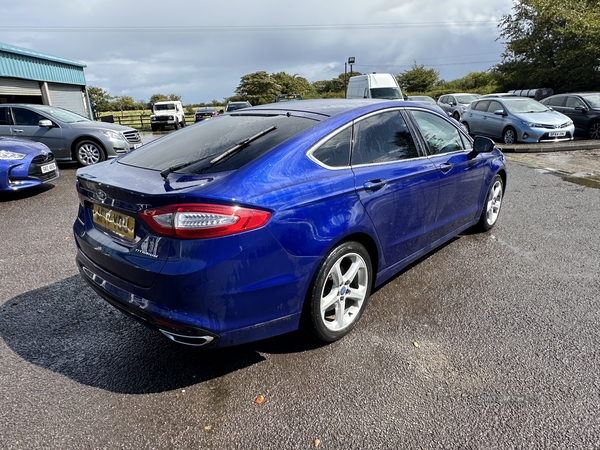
{"x": 139, "y": 121}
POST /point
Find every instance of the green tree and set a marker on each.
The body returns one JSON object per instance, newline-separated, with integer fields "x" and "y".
{"x": 100, "y": 99}
{"x": 258, "y": 88}
{"x": 293, "y": 84}
{"x": 418, "y": 79}
{"x": 158, "y": 98}
{"x": 123, "y": 103}
{"x": 551, "y": 43}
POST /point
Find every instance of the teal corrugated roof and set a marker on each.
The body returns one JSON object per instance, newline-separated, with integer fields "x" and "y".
{"x": 17, "y": 62}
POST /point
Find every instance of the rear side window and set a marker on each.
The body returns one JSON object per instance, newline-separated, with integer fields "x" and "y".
{"x": 4, "y": 116}
{"x": 208, "y": 139}
{"x": 382, "y": 138}
{"x": 481, "y": 106}
{"x": 555, "y": 101}
{"x": 335, "y": 152}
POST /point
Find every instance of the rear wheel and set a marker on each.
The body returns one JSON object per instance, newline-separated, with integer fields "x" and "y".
{"x": 340, "y": 291}
{"x": 491, "y": 207}
{"x": 509, "y": 136}
{"x": 89, "y": 152}
{"x": 466, "y": 127}
{"x": 594, "y": 130}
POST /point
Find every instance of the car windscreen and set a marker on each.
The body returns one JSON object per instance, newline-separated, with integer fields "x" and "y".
{"x": 63, "y": 114}
{"x": 593, "y": 100}
{"x": 466, "y": 99}
{"x": 524, "y": 105}
{"x": 193, "y": 148}
{"x": 388, "y": 92}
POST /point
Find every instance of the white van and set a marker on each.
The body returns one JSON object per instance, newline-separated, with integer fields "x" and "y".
{"x": 374, "y": 85}
{"x": 168, "y": 113}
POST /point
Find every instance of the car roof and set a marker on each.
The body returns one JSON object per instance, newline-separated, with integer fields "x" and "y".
{"x": 324, "y": 107}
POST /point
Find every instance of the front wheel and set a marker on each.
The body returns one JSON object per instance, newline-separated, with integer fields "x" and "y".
{"x": 176, "y": 125}
{"x": 594, "y": 130}
{"x": 456, "y": 115}
{"x": 491, "y": 207}
{"x": 88, "y": 153}
{"x": 509, "y": 136}
{"x": 340, "y": 291}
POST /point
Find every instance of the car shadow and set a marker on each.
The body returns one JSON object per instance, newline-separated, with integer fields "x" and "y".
{"x": 11, "y": 196}
{"x": 67, "y": 328}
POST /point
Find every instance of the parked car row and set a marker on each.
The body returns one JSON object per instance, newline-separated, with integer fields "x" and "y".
{"x": 511, "y": 118}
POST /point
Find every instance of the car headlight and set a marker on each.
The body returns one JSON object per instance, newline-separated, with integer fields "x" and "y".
{"x": 113, "y": 135}
{"x": 6, "y": 155}
{"x": 533, "y": 124}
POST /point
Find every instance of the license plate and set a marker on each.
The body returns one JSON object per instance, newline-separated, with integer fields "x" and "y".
{"x": 136, "y": 146}
{"x": 49, "y": 168}
{"x": 120, "y": 224}
{"x": 557, "y": 133}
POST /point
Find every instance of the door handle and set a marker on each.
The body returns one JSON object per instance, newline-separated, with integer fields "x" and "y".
{"x": 16, "y": 130}
{"x": 445, "y": 167}
{"x": 374, "y": 185}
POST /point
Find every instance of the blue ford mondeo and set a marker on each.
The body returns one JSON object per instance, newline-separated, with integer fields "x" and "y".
{"x": 280, "y": 216}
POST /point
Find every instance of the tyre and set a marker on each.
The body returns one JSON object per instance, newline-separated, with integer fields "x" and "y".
{"x": 183, "y": 123}
{"x": 154, "y": 127}
{"x": 456, "y": 115}
{"x": 491, "y": 207}
{"x": 466, "y": 127}
{"x": 509, "y": 136}
{"x": 176, "y": 125}
{"x": 340, "y": 291}
{"x": 594, "y": 130}
{"x": 89, "y": 152}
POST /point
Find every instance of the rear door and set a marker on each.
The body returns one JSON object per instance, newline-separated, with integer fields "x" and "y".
{"x": 397, "y": 184}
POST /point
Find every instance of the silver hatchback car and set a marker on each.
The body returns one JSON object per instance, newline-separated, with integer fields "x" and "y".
{"x": 71, "y": 137}
{"x": 517, "y": 119}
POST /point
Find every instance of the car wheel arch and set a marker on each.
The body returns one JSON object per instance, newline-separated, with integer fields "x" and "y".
{"x": 82, "y": 139}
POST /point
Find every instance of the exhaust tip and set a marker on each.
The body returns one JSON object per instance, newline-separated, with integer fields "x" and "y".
{"x": 195, "y": 341}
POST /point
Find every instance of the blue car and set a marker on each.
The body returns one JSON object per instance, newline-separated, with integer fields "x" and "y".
{"x": 279, "y": 215}
{"x": 25, "y": 164}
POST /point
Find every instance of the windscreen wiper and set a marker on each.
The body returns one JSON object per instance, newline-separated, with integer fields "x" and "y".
{"x": 240, "y": 145}
{"x": 236, "y": 148}
{"x": 165, "y": 173}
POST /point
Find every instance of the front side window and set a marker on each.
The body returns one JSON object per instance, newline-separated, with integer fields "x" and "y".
{"x": 574, "y": 102}
{"x": 495, "y": 106}
{"x": 24, "y": 116}
{"x": 439, "y": 134}
{"x": 381, "y": 138}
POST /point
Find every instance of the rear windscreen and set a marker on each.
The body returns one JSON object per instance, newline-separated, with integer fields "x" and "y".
{"x": 207, "y": 140}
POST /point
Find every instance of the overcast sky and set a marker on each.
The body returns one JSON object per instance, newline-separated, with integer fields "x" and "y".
{"x": 201, "y": 49}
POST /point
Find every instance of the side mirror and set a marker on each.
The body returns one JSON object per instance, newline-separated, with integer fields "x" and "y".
{"x": 483, "y": 145}
{"x": 45, "y": 123}
{"x": 499, "y": 112}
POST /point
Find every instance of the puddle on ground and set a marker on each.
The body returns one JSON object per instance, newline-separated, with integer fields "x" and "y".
{"x": 592, "y": 182}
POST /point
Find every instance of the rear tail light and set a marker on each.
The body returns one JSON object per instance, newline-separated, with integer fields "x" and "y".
{"x": 198, "y": 221}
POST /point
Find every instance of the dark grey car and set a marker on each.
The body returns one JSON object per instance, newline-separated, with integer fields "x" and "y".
{"x": 582, "y": 108}
{"x": 71, "y": 137}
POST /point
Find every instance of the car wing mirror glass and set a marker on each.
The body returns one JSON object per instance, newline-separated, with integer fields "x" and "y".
{"x": 483, "y": 145}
